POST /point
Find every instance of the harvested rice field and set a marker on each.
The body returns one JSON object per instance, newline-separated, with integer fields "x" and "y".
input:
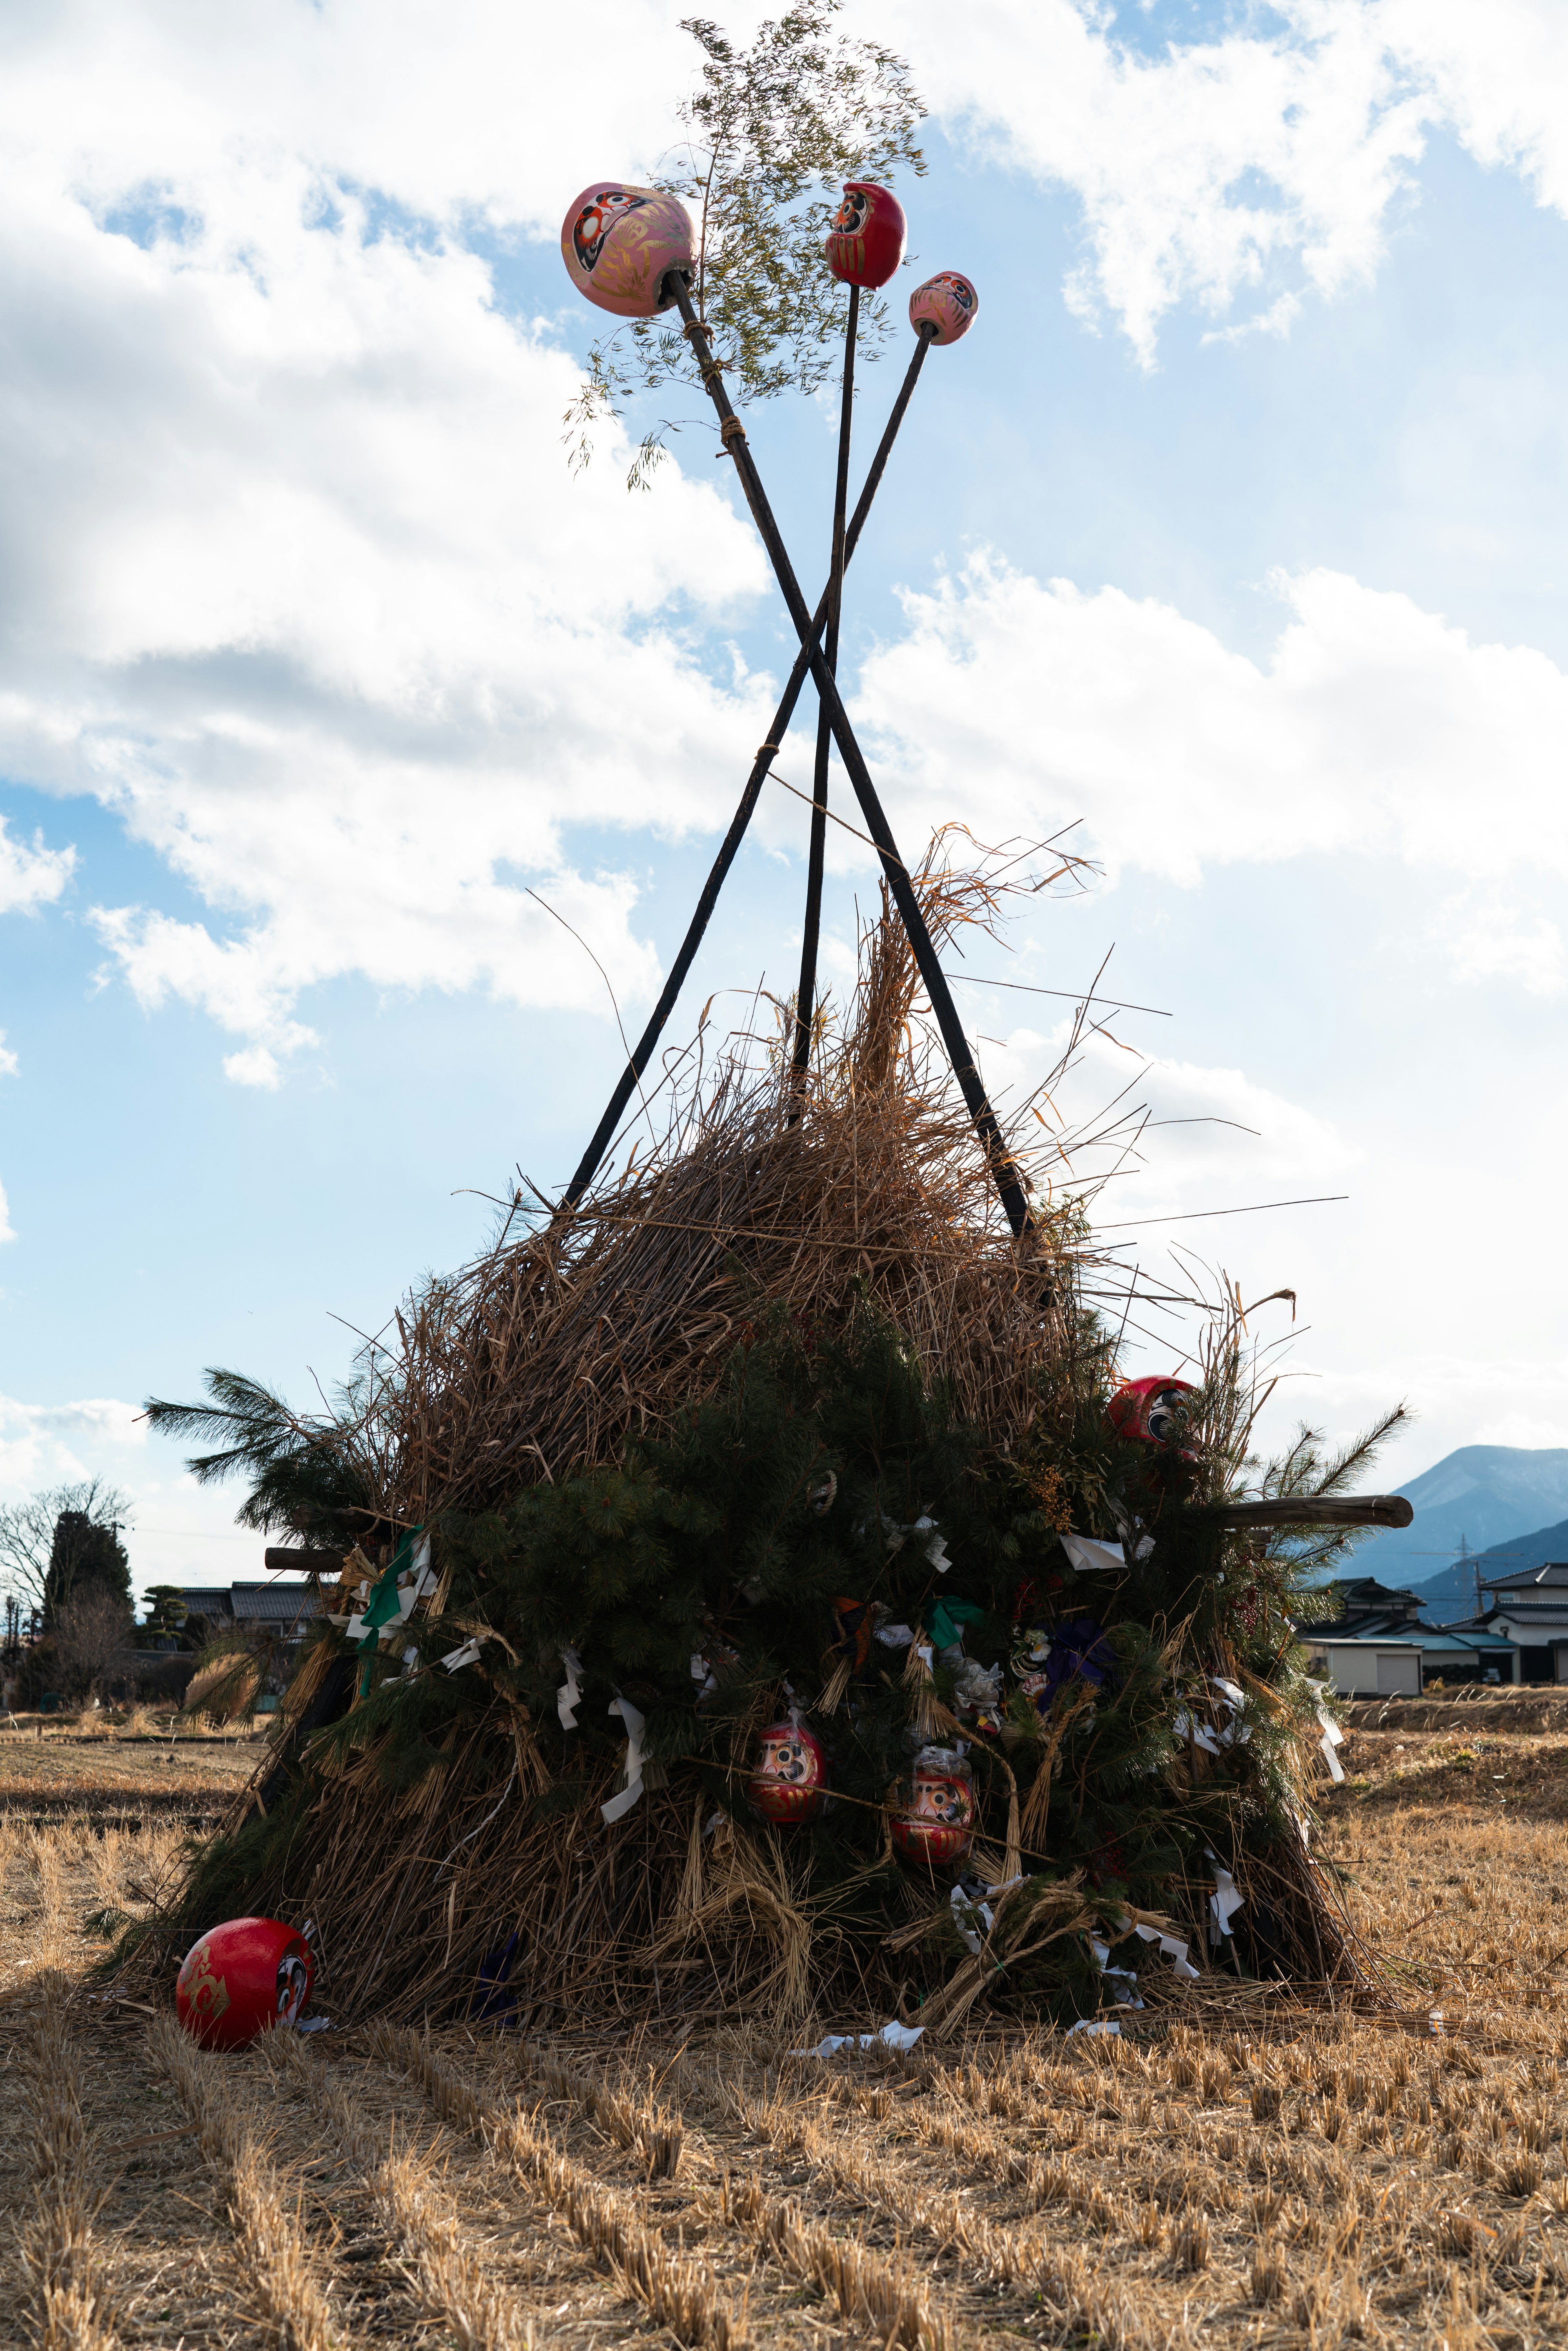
{"x": 1238, "y": 2172}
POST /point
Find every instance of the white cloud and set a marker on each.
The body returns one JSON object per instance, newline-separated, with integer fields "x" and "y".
{"x": 30, "y": 878}
{"x": 46, "y": 1445}
{"x": 1496, "y": 941}
{"x": 1375, "y": 728}
{"x": 298, "y": 580}
{"x": 1249, "y": 165}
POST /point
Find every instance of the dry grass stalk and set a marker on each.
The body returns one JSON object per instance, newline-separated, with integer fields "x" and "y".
{"x": 278, "y": 2262}
{"x": 888, "y": 2297}
{"x": 454, "y": 2287}
{"x": 673, "y": 2287}
{"x": 655, "y": 2133}
{"x": 62, "y": 2265}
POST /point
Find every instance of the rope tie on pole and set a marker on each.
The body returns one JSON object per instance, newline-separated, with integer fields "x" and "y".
{"x": 731, "y": 429}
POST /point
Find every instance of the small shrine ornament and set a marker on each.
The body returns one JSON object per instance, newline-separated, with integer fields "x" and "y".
{"x": 790, "y": 1779}
{"x": 936, "y": 1823}
{"x": 245, "y": 1977}
{"x": 622, "y": 246}
{"x": 946, "y": 304}
{"x": 1151, "y": 1411}
{"x": 866, "y": 241}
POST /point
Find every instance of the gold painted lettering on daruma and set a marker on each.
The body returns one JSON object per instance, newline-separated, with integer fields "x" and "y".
{"x": 205, "y": 1994}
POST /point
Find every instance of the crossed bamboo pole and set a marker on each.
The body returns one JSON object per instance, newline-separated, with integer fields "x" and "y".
{"x": 1004, "y": 1169}
{"x": 642, "y": 1053}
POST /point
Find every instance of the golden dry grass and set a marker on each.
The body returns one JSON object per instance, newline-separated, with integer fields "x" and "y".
{"x": 1250, "y": 2174}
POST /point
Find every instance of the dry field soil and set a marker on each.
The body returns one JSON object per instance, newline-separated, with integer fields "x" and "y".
{"x": 1236, "y": 2170}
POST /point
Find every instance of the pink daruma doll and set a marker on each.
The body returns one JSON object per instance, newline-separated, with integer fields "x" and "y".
{"x": 623, "y": 244}
{"x": 946, "y": 304}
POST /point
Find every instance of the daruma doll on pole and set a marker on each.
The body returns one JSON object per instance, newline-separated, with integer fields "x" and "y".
{"x": 865, "y": 244}
{"x": 946, "y": 304}
{"x": 622, "y": 244}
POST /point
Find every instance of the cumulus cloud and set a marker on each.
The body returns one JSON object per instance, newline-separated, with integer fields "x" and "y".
{"x": 1374, "y": 727}
{"x": 31, "y": 878}
{"x": 44, "y": 1443}
{"x": 294, "y": 576}
{"x": 1243, "y": 167}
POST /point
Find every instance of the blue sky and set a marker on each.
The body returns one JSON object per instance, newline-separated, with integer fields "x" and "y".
{"x": 1234, "y": 529}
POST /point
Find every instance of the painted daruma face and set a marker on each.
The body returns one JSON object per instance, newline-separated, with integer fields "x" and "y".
{"x": 241, "y": 1979}
{"x": 620, "y": 245}
{"x": 1153, "y": 1411}
{"x": 787, "y": 1781}
{"x": 936, "y": 1823}
{"x": 866, "y": 241}
{"x": 946, "y": 304}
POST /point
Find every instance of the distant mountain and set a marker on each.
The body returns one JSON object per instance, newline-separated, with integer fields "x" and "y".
{"x": 1489, "y": 1496}
{"x": 1452, "y": 1592}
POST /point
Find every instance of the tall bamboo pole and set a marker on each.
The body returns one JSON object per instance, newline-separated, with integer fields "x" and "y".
{"x": 806, "y": 990}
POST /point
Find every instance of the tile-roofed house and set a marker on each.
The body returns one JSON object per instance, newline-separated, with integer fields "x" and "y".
{"x": 1530, "y": 1609}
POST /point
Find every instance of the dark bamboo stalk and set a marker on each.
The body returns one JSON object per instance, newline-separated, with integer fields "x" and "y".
{"x": 1314, "y": 1511}
{"x": 1004, "y": 1170}
{"x": 806, "y": 991}
{"x": 598, "y": 1143}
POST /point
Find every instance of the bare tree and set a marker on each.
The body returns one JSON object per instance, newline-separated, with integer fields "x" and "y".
{"x": 28, "y": 1536}
{"x": 92, "y": 1639}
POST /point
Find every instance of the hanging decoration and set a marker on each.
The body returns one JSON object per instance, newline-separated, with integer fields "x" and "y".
{"x": 790, "y": 1778}
{"x": 934, "y": 1824}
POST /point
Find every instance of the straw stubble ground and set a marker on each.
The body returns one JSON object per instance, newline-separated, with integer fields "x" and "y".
{"x": 1253, "y": 2176}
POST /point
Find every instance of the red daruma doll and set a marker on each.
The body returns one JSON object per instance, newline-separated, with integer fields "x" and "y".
{"x": 937, "y": 1824}
{"x": 789, "y": 1780}
{"x": 1150, "y": 1411}
{"x": 242, "y": 1977}
{"x": 866, "y": 243}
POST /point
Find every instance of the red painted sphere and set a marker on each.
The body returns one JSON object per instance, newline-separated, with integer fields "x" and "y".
{"x": 865, "y": 244}
{"x": 946, "y": 304}
{"x": 1151, "y": 1410}
{"x": 791, "y": 1776}
{"x": 621, "y": 243}
{"x": 241, "y": 1979}
{"x": 937, "y": 1824}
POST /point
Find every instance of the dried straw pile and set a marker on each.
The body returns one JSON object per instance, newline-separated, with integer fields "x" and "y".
{"x": 542, "y": 1358}
{"x": 445, "y": 1832}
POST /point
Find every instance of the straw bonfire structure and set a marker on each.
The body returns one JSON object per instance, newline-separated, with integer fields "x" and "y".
{"x": 784, "y": 1426}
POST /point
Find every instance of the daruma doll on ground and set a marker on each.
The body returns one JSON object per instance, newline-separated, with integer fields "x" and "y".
{"x": 242, "y": 1977}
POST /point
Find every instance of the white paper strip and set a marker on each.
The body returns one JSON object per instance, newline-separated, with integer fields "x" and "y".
{"x": 891, "y": 2036}
{"x": 569, "y": 1697}
{"x": 1092, "y": 2027}
{"x": 455, "y": 1660}
{"x": 619, "y": 1806}
{"x": 1172, "y": 1948}
{"x": 1224, "y": 1901}
{"x": 1091, "y": 1558}
{"x": 1333, "y": 1738}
